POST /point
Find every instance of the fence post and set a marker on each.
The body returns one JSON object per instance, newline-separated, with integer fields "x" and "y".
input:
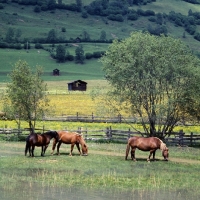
{"x": 119, "y": 118}
{"x": 181, "y": 133}
{"x": 191, "y": 137}
{"x": 77, "y": 116}
{"x": 18, "y": 131}
{"x": 129, "y": 133}
{"x": 92, "y": 117}
{"x": 110, "y": 133}
{"x": 86, "y": 134}
{"x": 107, "y": 132}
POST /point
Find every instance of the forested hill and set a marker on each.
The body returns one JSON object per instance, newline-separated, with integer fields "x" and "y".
{"x": 64, "y": 21}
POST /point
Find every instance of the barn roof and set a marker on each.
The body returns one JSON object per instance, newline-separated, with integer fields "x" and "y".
{"x": 80, "y": 81}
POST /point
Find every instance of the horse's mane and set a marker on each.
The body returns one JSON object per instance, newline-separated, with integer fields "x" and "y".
{"x": 162, "y": 145}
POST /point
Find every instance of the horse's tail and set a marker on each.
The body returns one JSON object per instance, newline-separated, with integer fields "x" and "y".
{"x": 27, "y": 147}
{"x": 127, "y": 150}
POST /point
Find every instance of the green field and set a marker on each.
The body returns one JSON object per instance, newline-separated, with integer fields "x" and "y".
{"x": 90, "y": 70}
{"x": 103, "y": 174}
{"x": 36, "y": 25}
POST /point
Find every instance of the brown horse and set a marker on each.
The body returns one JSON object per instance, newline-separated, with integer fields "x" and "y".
{"x": 146, "y": 144}
{"x": 72, "y": 138}
{"x": 39, "y": 140}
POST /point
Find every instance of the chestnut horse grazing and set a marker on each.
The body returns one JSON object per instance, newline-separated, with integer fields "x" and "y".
{"x": 39, "y": 140}
{"x": 146, "y": 144}
{"x": 72, "y": 138}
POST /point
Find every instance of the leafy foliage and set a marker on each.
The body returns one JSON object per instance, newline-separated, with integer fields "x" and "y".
{"x": 157, "y": 76}
{"x": 25, "y": 94}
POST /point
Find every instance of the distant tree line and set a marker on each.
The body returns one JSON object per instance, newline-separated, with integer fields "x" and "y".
{"x": 193, "y": 1}
{"x": 61, "y": 55}
{"x": 116, "y": 10}
{"x": 12, "y": 39}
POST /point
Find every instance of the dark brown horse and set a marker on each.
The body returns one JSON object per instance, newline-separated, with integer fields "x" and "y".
{"x": 146, "y": 144}
{"x": 72, "y": 138}
{"x": 39, "y": 140}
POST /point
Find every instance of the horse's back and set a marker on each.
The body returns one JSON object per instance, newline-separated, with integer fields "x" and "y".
{"x": 144, "y": 144}
{"x": 67, "y": 137}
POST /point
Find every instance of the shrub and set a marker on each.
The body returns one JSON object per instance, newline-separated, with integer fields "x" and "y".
{"x": 38, "y": 46}
{"x": 3, "y": 45}
{"x": 117, "y": 17}
{"x": 88, "y": 55}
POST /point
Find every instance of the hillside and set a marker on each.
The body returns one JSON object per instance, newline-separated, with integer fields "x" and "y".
{"x": 34, "y": 27}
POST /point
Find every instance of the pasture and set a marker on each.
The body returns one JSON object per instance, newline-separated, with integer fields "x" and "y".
{"x": 103, "y": 174}
{"x": 91, "y": 70}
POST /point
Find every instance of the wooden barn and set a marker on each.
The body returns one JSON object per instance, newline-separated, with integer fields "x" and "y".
{"x": 77, "y": 85}
{"x": 56, "y": 72}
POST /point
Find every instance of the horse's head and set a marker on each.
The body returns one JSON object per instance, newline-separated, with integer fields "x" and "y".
{"x": 84, "y": 149}
{"x": 53, "y": 134}
{"x": 83, "y": 145}
{"x": 165, "y": 153}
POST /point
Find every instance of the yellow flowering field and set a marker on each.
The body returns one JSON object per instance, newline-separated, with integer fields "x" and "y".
{"x": 70, "y": 104}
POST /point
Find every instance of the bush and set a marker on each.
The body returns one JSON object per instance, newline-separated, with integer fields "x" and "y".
{"x": 69, "y": 57}
{"x": 3, "y": 45}
{"x": 88, "y": 55}
{"x": 1, "y": 6}
{"x": 132, "y": 16}
{"x": 152, "y": 19}
{"x": 117, "y": 17}
{"x": 18, "y": 46}
{"x": 98, "y": 54}
{"x": 37, "y": 9}
{"x": 84, "y": 14}
{"x": 38, "y": 46}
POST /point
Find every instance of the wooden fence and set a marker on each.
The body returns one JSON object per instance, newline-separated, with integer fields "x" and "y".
{"x": 176, "y": 138}
{"x": 91, "y": 118}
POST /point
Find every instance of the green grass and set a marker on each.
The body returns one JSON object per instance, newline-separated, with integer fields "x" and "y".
{"x": 91, "y": 70}
{"x": 103, "y": 169}
{"x": 39, "y": 24}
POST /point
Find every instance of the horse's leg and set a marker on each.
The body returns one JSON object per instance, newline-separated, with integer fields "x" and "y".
{"x": 154, "y": 153}
{"x": 133, "y": 154}
{"x": 72, "y": 147}
{"x": 151, "y": 152}
{"x": 58, "y": 146}
{"x": 42, "y": 151}
{"x": 32, "y": 151}
{"x": 78, "y": 147}
{"x": 54, "y": 146}
{"x": 45, "y": 148}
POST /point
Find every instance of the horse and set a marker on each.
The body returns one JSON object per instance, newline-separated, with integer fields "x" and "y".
{"x": 72, "y": 138}
{"x": 39, "y": 140}
{"x": 146, "y": 144}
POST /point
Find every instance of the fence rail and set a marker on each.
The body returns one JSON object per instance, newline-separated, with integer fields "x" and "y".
{"x": 91, "y": 118}
{"x": 176, "y": 138}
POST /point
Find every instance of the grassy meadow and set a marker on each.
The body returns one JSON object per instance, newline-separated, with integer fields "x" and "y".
{"x": 103, "y": 173}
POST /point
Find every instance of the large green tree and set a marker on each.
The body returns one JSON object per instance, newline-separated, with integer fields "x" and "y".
{"x": 26, "y": 99}
{"x": 79, "y": 55}
{"x": 157, "y": 76}
{"x": 60, "y": 53}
